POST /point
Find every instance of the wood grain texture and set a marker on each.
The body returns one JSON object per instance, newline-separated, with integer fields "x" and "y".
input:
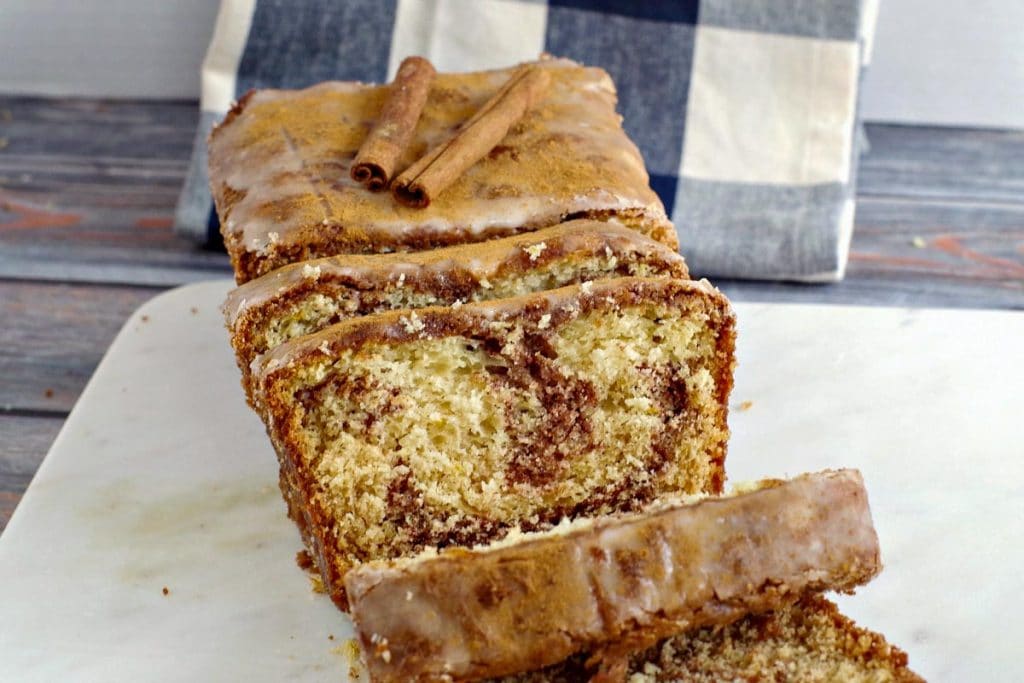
{"x": 54, "y": 336}
{"x": 933, "y": 253}
{"x": 88, "y": 189}
{"x": 942, "y": 163}
{"x": 127, "y": 158}
{"x": 25, "y": 441}
{"x": 894, "y": 289}
{"x": 952, "y": 241}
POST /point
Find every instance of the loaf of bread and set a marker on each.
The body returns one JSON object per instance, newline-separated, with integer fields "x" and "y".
{"x": 406, "y": 430}
{"x": 501, "y": 417}
{"x": 279, "y": 169}
{"x": 611, "y": 585}
{"x": 807, "y": 642}
{"x": 306, "y": 297}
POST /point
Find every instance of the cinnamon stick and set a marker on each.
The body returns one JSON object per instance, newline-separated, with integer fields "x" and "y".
{"x": 417, "y": 185}
{"x": 374, "y": 165}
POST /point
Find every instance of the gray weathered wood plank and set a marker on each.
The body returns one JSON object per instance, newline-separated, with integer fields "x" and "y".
{"x": 122, "y": 262}
{"x": 122, "y": 129}
{"x": 54, "y": 336}
{"x": 890, "y": 290}
{"x": 947, "y": 163}
{"x": 88, "y": 188}
{"x": 25, "y": 441}
{"x": 941, "y": 242}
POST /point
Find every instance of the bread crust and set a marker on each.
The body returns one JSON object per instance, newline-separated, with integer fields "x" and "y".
{"x": 618, "y": 585}
{"x": 273, "y": 373}
{"x": 279, "y": 170}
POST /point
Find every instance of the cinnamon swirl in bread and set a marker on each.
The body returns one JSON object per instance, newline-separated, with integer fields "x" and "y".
{"x": 405, "y": 430}
{"x": 806, "y": 642}
{"x": 612, "y": 585}
{"x": 305, "y": 297}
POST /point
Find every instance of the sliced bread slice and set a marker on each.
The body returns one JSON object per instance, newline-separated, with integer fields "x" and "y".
{"x": 405, "y": 430}
{"x": 806, "y": 642}
{"x": 612, "y": 585}
{"x": 306, "y": 297}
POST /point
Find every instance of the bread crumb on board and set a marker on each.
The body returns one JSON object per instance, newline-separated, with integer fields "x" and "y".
{"x": 304, "y": 560}
{"x": 352, "y": 653}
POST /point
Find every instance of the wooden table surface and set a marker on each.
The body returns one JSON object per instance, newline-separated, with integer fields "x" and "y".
{"x": 87, "y": 193}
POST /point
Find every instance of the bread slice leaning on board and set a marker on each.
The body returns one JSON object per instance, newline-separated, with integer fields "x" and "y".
{"x": 612, "y": 585}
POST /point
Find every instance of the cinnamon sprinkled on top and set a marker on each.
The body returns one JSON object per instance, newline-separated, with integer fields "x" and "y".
{"x": 281, "y": 159}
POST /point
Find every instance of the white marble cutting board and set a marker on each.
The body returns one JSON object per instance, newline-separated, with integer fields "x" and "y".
{"x": 162, "y": 477}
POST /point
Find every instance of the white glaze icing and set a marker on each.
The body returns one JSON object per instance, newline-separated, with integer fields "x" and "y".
{"x": 285, "y": 158}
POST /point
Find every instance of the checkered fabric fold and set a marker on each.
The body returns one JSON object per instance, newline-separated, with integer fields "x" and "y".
{"x": 745, "y": 111}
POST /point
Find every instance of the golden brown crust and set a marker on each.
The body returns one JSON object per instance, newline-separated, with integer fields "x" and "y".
{"x": 361, "y": 284}
{"x": 279, "y": 170}
{"x": 276, "y": 369}
{"x": 614, "y": 586}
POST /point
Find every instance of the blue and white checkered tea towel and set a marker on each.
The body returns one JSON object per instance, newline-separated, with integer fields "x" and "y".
{"x": 745, "y": 110}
